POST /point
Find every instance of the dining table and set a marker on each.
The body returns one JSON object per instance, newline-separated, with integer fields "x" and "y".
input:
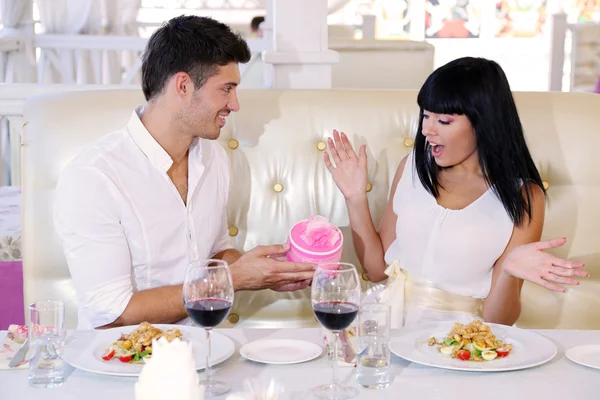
{"x": 559, "y": 378}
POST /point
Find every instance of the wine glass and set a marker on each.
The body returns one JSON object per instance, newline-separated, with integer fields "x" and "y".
{"x": 208, "y": 297}
{"x": 335, "y": 299}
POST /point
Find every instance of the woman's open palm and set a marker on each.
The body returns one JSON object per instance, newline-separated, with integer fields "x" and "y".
{"x": 350, "y": 170}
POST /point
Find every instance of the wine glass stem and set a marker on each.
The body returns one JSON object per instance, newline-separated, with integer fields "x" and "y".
{"x": 208, "y": 369}
{"x": 334, "y": 381}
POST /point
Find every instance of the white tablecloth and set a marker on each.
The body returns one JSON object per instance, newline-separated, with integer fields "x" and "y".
{"x": 558, "y": 379}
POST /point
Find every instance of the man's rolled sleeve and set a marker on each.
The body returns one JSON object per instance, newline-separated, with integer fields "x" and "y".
{"x": 87, "y": 220}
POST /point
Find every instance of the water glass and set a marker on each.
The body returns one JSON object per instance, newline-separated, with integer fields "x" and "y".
{"x": 46, "y": 337}
{"x": 373, "y": 360}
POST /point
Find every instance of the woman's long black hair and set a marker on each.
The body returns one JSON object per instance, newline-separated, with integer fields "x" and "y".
{"x": 478, "y": 89}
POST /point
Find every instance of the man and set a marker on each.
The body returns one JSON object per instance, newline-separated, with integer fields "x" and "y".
{"x": 138, "y": 205}
{"x": 255, "y": 28}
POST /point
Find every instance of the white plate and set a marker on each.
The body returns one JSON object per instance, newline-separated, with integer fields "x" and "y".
{"x": 529, "y": 349}
{"x": 84, "y": 350}
{"x": 585, "y": 355}
{"x": 280, "y": 351}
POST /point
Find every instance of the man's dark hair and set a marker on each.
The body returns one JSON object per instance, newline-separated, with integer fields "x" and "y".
{"x": 255, "y": 23}
{"x": 191, "y": 44}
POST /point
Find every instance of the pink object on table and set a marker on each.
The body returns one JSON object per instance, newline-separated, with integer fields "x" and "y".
{"x": 11, "y": 294}
{"x": 598, "y": 86}
{"x": 315, "y": 240}
{"x": 11, "y": 344}
{"x": 17, "y": 333}
{"x": 11, "y": 266}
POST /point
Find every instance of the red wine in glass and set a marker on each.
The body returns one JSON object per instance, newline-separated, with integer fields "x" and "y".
{"x": 208, "y": 313}
{"x": 335, "y": 315}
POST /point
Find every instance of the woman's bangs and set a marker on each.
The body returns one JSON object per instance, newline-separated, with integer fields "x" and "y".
{"x": 441, "y": 96}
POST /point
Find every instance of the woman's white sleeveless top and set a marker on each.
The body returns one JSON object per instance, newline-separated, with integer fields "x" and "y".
{"x": 455, "y": 250}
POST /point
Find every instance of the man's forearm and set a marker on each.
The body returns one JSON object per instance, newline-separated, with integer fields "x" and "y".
{"x": 229, "y": 255}
{"x": 162, "y": 305}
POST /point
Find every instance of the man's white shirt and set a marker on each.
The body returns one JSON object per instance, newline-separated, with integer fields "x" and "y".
{"x": 123, "y": 224}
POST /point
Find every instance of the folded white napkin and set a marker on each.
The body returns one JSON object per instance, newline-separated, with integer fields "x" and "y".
{"x": 255, "y": 389}
{"x": 393, "y": 294}
{"x": 170, "y": 373}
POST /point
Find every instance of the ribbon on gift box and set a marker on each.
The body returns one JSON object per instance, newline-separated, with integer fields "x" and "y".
{"x": 319, "y": 233}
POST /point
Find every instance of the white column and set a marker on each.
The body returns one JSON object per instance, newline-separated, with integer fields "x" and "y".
{"x": 416, "y": 11}
{"x": 299, "y": 57}
{"x": 18, "y": 25}
{"x": 15, "y": 127}
{"x": 28, "y": 72}
{"x": 369, "y": 27}
{"x": 558, "y": 34}
{"x": 267, "y": 31}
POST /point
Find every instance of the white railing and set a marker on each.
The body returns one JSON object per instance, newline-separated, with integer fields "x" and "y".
{"x": 47, "y": 46}
{"x": 9, "y": 44}
{"x": 107, "y": 43}
{"x": 50, "y": 44}
{"x": 567, "y": 41}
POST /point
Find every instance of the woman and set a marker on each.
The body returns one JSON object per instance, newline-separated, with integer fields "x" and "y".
{"x": 466, "y": 209}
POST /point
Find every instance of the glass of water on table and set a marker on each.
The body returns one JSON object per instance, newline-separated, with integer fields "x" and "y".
{"x": 373, "y": 356}
{"x": 46, "y": 338}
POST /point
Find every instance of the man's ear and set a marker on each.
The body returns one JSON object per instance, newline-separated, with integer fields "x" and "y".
{"x": 183, "y": 84}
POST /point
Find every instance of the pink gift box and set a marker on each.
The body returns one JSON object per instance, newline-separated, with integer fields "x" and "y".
{"x": 326, "y": 246}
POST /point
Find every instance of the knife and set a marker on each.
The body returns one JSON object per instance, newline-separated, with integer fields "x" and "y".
{"x": 19, "y": 355}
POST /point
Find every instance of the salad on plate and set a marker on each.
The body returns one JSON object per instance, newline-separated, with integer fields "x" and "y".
{"x": 136, "y": 347}
{"x": 472, "y": 342}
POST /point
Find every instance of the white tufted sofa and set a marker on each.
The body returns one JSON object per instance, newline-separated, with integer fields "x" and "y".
{"x": 275, "y": 144}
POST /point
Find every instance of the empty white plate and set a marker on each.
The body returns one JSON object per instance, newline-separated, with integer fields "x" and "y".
{"x": 585, "y": 355}
{"x": 280, "y": 351}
